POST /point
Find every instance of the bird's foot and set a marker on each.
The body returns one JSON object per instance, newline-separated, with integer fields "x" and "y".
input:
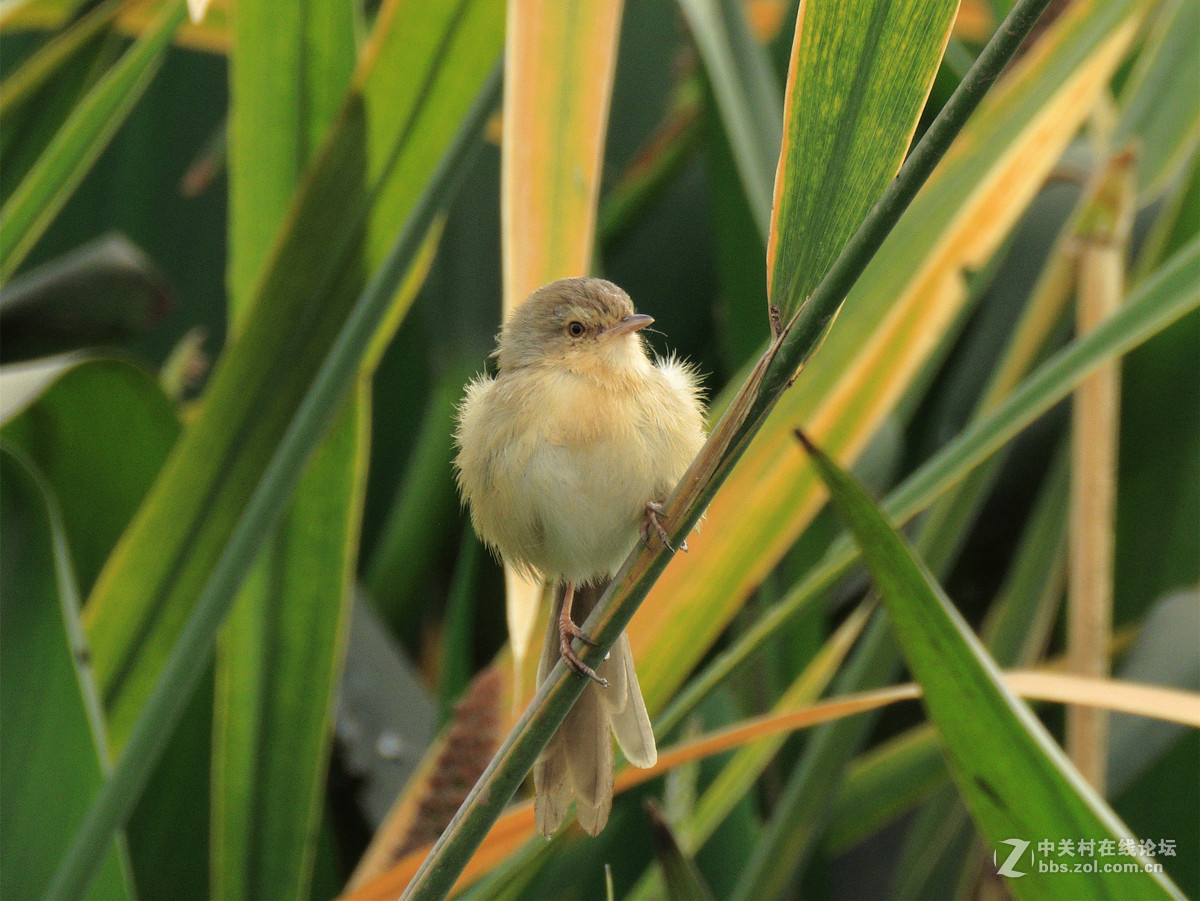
{"x": 653, "y": 520}
{"x": 566, "y": 631}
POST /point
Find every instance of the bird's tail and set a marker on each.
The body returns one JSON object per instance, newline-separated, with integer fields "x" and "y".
{"x": 578, "y": 761}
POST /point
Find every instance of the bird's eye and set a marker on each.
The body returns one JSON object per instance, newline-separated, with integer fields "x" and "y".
{"x": 575, "y": 329}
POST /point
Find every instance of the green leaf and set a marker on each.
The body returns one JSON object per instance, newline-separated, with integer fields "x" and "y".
{"x": 681, "y": 878}
{"x": 289, "y": 67}
{"x": 1014, "y": 778}
{"x": 279, "y": 662}
{"x": 280, "y": 656}
{"x": 1015, "y": 632}
{"x": 149, "y": 584}
{"x": 92, "y": 123}
{"x": 38, "y": 96}
{"x": 99, "y": 433}
{"x": 859, "y": 75}
{"x": 747, "y": 96}
{"x": 104, "y": 292}
{"x": 903, "y": 774}
{"x": 337, "y": 373}
{"x": 1160, "y": 106}
{"x": 100, "y": 430}
{"x": 51, "y": 745}
{"x": 39, "y": 69}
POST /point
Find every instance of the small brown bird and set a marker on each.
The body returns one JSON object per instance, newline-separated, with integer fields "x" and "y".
{"x": 564, "y": 458}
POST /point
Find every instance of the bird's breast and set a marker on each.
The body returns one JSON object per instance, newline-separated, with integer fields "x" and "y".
{"x": 571, "y": 463}
{"x": 592, "y": 473}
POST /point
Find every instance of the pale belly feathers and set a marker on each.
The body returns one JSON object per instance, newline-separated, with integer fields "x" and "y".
{"x": 565, "y": 485}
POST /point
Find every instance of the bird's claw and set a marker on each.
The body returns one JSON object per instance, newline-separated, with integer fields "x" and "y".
{"x": 652, "y": 521}
{"x": 566, "y": 631}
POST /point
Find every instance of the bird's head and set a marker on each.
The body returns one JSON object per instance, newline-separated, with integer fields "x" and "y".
{"x": 586, "y": 325}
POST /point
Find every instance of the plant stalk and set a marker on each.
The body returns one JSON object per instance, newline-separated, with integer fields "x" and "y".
{"x": 1095, "y": 435}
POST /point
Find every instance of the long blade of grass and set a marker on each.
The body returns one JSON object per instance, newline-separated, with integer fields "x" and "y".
{"x": 41, "y": 67}
{"x": 557, "y": 88}
{"x": 1163, "y": 299}
{"x": 289, "y": 70}
{"x": 858, "y": 78}
{"x": 1014, "y": 778}
{"x": 279, "y": 657}
{"x": 61, "y": 167}
{"x": 187, "y": 660}
{"x": 52, "y": 748}
{"x": 381, "y": 151}
{"x": 747, "y": 95}
{"x": 1017, "y": 627}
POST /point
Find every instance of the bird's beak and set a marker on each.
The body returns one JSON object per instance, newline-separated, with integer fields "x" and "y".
{"x": 628, "y": 325}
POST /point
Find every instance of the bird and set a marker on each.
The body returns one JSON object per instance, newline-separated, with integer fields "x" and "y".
{"x": 564, "y": 458}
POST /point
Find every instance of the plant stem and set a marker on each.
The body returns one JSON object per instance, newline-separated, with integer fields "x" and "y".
{"x": 1095, "y": 433}
{"x": 742, "y": 419}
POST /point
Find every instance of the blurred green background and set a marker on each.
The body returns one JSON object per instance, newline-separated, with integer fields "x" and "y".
{"x": 684, "y": 245}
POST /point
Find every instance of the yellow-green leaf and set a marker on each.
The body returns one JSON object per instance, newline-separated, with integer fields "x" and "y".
{"x": 384, "y": 146}
{"x": 890, "y": 323}
{"x": 1015, "y": 780}
{"x": 558, "y": 73}
{"x": 859, "y": 75}
{"x": 87, "y": 130}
